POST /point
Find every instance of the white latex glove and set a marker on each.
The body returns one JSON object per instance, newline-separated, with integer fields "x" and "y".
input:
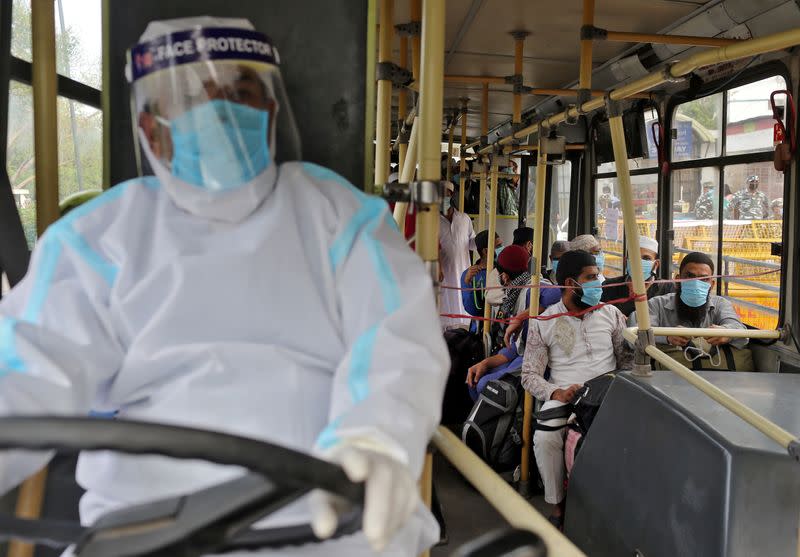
{"x": 391, "y": 496}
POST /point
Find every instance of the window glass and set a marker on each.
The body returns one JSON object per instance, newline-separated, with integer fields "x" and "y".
{"x": 608, "y": 216}
{"x": 21, "y": 29}
{"x": 78, "y": 38}
{"x": 80, "y": 163}
{"x": 695, "y": 212}
{"x": 20, "y": 158}
{"x": 651, "y": 160}
{"x": 697, "y": 129}
{"x": 749, "y": 120}
{"x": 559, "y": 201}
{"x": 753, "y": 219}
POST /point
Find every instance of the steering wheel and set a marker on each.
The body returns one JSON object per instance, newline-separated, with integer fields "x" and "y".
{"x": 214, "y": 520}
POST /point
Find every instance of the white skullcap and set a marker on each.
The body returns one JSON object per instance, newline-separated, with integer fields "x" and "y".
{"x": 586, "y": 242}
{"x": 648, "y": 243}
{"x": 448, "y": 186}
{"x": 166, "y": 26}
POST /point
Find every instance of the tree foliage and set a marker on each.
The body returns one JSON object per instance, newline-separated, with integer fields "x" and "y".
{"x": 80, "y": 168}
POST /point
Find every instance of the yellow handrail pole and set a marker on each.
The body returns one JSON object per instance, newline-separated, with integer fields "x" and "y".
{"x": 743, "y": 49}
{"x": 519, "y": 49}
{"x": 644, "y": 334}
{"x": 407, "y": 175}
{"x": 487, "y": 309}
{"x": 484, "y": 79}
{"x": 706, "y": 332}
{"x": 574, "y": 92}
{"x": 415, "y": 10}
{"x": 402, "y": 105}
{"x": 585, "y": 80}
{"x": 450, "y": 153}
{"x": 45, "y": 117}
{"x": 429, "y": 153}
{"x": 538, "y": 241}
{"x": 484, "y": 173}
{"x": 383, "y": 122}
{"x": 688, "y": 40}
{"x": 462, "y": 163}
{"x": 45, "y": 120}
{"x": 516, "y": 510}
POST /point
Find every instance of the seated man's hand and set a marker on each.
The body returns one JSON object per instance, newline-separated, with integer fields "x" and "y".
{"x": 472, "y": 271}
{"x": 565, "y": 395}
{"x": 476, "y": 372}
{"x": 717, "y": 341}
{"x": 390, "y": 496}
{"x": 513, "y": 327}
{"x": 678, "y": 341}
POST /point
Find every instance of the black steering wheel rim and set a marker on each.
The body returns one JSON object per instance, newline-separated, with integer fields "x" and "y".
{"x": 287, "y": 474}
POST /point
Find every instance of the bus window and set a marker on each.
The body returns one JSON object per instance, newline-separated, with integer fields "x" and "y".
{"x": 748, "y": 126}
{"x": 753, "y": 219}
{"x": 559, "y": 201}
{"x": 697, "y": 129}
{"x": 20, "y": 158}
{"x": 695, "y": 212}
{"x": 608, "y": 216}
{"x": 80, "y": 165}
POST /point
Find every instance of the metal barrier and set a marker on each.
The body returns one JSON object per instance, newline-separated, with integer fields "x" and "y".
{"x": 510, "y": 504}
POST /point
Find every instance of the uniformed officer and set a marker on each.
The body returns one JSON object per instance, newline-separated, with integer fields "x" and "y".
{"x": 704, "y": 208}
{"x": 749, "y": 203}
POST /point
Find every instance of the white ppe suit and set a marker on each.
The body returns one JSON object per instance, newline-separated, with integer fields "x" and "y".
{"x": 288, "y": 309}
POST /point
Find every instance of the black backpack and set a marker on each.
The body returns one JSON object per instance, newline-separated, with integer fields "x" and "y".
{"x": 493, "y": 429}
{"x": 466, "y": 350}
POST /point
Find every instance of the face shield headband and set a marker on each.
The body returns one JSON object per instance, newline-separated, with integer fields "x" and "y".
{"x": 212, "y": 106}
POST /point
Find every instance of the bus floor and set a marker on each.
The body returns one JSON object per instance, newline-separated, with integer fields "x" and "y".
{"x": 467, "y": 514}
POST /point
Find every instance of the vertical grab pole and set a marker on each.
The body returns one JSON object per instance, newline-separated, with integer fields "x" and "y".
{"x": 43, "y": 40}
{"x": 462, "y": 163}
{"x": 645, "y": 334}
{"x": 450, "y": 151}
{"x": 484, "y": 140}
{"x": 402, "y": 106}
{"x": 430, "y": 146}
{"x": 538, "y": 232}
{"x": 407, "y": 175}
{"x": 585, "y": 81}
{"x": 487, "y": 309}
{"x": 416, "y": 15}
{"x": 383, "y": 122}
{"x": 519, "y": 48}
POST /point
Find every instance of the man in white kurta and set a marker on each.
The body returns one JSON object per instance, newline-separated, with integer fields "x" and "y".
{"x": 456, "y": 239}
{"x": 575, "y": 349}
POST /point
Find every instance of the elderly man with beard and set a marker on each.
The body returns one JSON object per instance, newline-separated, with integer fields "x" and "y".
{"x": 693, "y": 305}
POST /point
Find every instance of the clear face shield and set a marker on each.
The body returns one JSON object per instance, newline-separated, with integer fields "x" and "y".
{"x": 209, "y": 106}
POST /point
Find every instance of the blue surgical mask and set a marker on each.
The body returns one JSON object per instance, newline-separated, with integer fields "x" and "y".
{"x": 497, "y": 251}
{"x": 647, "y": 268}
{"x": 554, "y": 264}
{"x": 591, "y": 292}
{"x": 600, "y": 259}
{"x": 220, "y": 145}
{"x": 694, "y": 293}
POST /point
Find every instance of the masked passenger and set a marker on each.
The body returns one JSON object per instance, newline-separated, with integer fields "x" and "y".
{"x": 178, "y": 298}
{"x": 693, "y": 305}
{"x": 576, "y": 349}
{"x": 589, "y": 243}
{"x": 648, "y": 252}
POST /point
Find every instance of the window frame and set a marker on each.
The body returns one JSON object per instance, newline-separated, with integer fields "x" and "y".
{"x": 594, "y": 176}
{"x": 724, "y": 85}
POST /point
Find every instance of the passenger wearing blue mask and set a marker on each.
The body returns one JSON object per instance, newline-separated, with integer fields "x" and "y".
{"x": 575, "y": 349}
{"x": 589, "y": 243}
{"x": 620, "y": 287}
{"x": 177, "y": 298}
{"x": 694, "y": 304}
